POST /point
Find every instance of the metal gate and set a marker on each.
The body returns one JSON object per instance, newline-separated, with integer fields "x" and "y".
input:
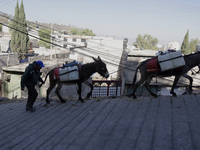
{"x": 104, "y": 88}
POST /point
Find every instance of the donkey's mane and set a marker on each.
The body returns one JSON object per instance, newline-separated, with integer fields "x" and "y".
{"x": 88, "y": 64}
{"x": 192, "y": 59}
{"x": 191, "y": 55}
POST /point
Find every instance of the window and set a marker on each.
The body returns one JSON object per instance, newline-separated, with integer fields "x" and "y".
{"x": 83, "y": 40}
{"x": 65, "y": 46}
{"x": 74, "y": 39}
{"x": 65, "y": 39}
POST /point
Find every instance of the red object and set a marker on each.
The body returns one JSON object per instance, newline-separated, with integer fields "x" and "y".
{"x": 56, "y": 74}
{"x": 153, "y": 66}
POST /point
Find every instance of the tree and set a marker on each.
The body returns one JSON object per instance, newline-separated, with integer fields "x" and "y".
{"x": 185, "y": 45}
{"x": 14, "y": 35}
{"x": 24, "y": 38}
{"x": 85, "y": 32}
{"x": 192, "y": 44}
{"x": 74, "y": 31}
{"x": 19, "y": 37}
{"x": 146, "y": 42}
{"x": 45, "y": 34}
{"x": 0, "y": 28}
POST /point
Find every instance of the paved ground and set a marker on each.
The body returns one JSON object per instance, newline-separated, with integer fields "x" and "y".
{"x": 164, "y": 123}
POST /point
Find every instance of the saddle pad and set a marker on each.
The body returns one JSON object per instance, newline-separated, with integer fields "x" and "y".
{"x": 56, "y": 74}
{"x": 69, "y": 73}
{"x": 152, "y": 65}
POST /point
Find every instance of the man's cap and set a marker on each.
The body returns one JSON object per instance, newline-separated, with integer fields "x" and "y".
{"x": 40, "y": 63}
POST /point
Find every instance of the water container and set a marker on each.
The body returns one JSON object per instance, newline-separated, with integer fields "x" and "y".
{"x": 177, "y": 59}
{"x": 165, "y": 62}
{"x": 171, "y": 61}
{"x": 69, "y": 73}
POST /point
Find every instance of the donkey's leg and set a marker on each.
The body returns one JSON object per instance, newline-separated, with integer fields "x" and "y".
{"x": 148, "y": 81}
{"x": 58, "y": 93}
{"x": 191, "y": 80}
{"x": 174, "y": 85}
{"x": 52, "y": 85}
{"x": 91, "y": 88}
{"x": 136, "y": 86}
{"x": 79, "y": 91}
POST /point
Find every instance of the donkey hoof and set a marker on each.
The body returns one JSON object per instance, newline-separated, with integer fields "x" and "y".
{"x": 190, "y": 91}
{"x": 155, "y": 95}
{"x": 81, "y": 100}
{"x": 88, "y": 96}
{"x": 174, "y": 95}
{"x": 63, "y": 101}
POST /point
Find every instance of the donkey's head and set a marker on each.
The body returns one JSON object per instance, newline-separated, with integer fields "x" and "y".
{"x": 100, "y": 67}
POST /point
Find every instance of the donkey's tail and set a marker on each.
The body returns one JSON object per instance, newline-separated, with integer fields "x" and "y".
{"x": 44, "y": 79}
{"x": 46, "y": 76}
{"x": 135, "y": 77}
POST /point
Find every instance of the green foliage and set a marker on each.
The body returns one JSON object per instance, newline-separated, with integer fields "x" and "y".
{"x": 14, "y": 35}
{"x": 19, "y": 37}
{"x": 0, "y": 28}
{"x": 192, "y": 44}
{"x": 45, "y": 34}
{"x": 147, "y": 42}
{"x": 85, "y": 32}
{"x": 24, "y": 38}
{"x": 185, "y": 45}
{"x": 74, "y": 31}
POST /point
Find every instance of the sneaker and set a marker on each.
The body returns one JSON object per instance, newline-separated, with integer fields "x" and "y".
{"x": 30, "y": 109}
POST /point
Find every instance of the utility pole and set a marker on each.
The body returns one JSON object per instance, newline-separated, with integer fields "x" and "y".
{"x": 51, "y": 42}
{"x": 51, "y": 35}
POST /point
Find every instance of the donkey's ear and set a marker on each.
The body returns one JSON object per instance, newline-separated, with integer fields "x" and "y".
{"x": 99, "y": 58}
{"x": 95, "y": 59}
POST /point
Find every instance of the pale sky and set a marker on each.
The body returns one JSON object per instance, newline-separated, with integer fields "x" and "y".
{"x": 166, "y": 20}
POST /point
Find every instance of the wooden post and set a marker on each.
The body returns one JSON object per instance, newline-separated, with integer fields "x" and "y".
{"x": 108, "y": 89}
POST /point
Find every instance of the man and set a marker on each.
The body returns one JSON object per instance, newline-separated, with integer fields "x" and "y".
{"x": 29, "y": 79}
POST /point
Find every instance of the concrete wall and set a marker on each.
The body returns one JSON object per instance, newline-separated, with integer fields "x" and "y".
{"x": 11, "y": 89}
{"x": 4, "y": 43}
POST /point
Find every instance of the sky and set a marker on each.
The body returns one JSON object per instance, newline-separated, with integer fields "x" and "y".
{"x": 166, "y": 20}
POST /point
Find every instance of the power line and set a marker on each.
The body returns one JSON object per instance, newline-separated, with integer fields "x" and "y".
{"x": 47, "y": 35}
{"x": 62, "y": 47}
{"x": 30, "y": 35}
{"x": 89, "y": 50}
{"x": 25, "y": 25}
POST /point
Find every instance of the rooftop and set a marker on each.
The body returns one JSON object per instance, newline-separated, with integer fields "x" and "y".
{"x": 122, "y": 123}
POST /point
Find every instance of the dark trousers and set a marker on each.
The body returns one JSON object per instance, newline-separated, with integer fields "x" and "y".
{"x": 32, "y": 95}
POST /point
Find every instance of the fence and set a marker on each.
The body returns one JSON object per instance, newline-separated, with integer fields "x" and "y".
{"x": 104, "y": 88}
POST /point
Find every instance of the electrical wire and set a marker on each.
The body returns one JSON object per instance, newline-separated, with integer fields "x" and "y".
{"x": 57, "y": 40}
{"x": 88, "y": 50}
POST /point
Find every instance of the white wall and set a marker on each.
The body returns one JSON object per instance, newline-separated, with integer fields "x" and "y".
{"x": 109, "y": 49}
